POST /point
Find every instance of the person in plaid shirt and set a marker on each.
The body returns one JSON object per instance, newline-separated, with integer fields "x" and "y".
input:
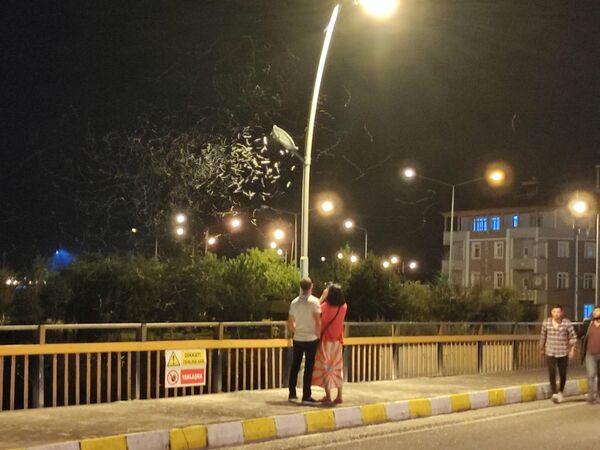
{"x": 557, "y": 343}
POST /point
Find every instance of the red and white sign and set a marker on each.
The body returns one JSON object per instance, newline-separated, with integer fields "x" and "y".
{"x": 185, "y": 368}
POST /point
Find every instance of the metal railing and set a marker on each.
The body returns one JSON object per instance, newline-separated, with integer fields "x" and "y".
{"x": 128, "y": 363}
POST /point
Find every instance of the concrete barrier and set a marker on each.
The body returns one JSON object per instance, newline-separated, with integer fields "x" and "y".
{"x": 315, "y": 421}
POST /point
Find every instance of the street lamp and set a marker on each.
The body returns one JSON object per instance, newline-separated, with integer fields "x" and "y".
{"x": 273, "y": 245}
{"x": 495, "y": 176}
{"x": 353, "y": 259}
{"x": 294, "y": 251}
{"x": 582, "y": 205}
{"x": 323, "y": 259}
{"x": 394, "y": 260}
{"x": 340, "y": 255}
{"x": 326, "y": 207}
{"x": 413, "y": 265}
{"x": 376, "y": 6}
{"x": 180, "y": 218}
{"x": 385, "y": 264}
{"x": 179, "y": 231}
{"x": 279, "y": 234}
{"x": 235, "y": 223}
{"x": 379, "y": 8}
{"x": 349, "y": 224}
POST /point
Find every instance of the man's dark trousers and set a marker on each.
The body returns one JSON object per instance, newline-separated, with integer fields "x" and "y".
{"x": 309, "y": 349}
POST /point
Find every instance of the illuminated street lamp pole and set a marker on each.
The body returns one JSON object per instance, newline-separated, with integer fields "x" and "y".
{"x": 495, "y": 178}
{"x": 349, "y": 224}
{"x": 379, "y": 8}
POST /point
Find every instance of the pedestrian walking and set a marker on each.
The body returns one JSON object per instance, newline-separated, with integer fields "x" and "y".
{"x": 557, "y": 343}
{"x": 329, "y": 370}
{"x": 590, "y": 349}
{"x": 304, "y": 321}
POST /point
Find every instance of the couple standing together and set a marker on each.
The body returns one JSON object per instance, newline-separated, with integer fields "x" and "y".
{"x": 318, "y": 327}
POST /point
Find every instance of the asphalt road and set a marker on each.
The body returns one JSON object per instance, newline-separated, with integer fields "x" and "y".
{"x": 537, "y": 425}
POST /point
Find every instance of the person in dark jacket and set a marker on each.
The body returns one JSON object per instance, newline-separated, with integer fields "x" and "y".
{"x": 590, "y": 350}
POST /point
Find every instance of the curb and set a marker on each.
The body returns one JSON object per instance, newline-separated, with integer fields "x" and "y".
{"x": 267, "y": 428}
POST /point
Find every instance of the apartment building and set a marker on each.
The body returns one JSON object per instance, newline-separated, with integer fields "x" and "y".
{"x": 542, "y": 251}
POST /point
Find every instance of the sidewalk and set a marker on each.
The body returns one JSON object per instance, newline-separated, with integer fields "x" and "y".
{"x": 20, "y": 429}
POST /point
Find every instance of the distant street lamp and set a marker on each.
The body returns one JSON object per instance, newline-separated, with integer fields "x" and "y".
{"x": 413, "y": 265}
{"x": 394, "y": 260}
{"x": 385, "y": 264}
{"x": 340, "y": 255}
{"x": 235, "y": 223}
{"x": 349, "y": 225}
{"x": 353, "y": 259}
{"x": 583, "y": 205}
{"x": 327, "y": 207}
{"x": 273, "y": 245}
{"x": 494, "y": 176}
{"x": 179, "y": 231}
{"x": 211, "y": 241}
{"x": 323, "y": 259}
{"x": 279, "y": 234}
{"x": 134, "y": 230}
{"x": 180, "y": 218}
{"x": 379, "y": 8}
{"x": 294, "y": 251}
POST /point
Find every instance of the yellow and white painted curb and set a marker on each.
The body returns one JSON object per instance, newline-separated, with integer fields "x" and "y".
{"x": 318, "y": 420}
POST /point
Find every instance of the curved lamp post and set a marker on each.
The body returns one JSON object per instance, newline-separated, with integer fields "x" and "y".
{"x": 378, "y": 8}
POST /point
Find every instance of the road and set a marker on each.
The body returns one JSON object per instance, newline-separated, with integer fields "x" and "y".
{"x": 537, "y": 425}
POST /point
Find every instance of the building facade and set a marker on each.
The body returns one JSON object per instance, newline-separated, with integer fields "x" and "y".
{"x": 543, "y": 252}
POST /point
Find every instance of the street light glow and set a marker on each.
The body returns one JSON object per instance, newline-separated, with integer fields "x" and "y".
{"x": 413, "y": 265}
{"x": 211, "y": 240}
{"x": 180, "y": 218}
{"x": 394, "y": 260}
{"x": 348, "y": 224}
{"x": 323, "y": 259}
{"x": 278, "y": 234}
{"x": 379, "y": 8}
{"x": 134, "y": 230}
{"x": 409, "y": 173}
{"x": 327, "y": 206}
{"x": 235, "y": 223}
{"x": 496, "y": 177}
{"x": 179, "y": 231}
{"x": 580, "y": 207}
{"x": 273, "y": 245}
{"x": 385, "y": 264}
{"x": 353, "y": 258}
{"x": 280, "y": 252}
{"x": 340, "y": 255}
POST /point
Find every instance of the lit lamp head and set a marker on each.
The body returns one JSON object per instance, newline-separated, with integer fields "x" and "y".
{"x": 348, "y": 224}
{"x": 280, "y": 252}
{"x": 495, "y": 177}
{"x": 327, "y": 207}
{"x": 211, "y": 241}
{"x": 394, "y": 260}
{"x": 235, "y": 223}
{"x": 279, "y": 234}
{"x": 323, "y": 259}
{"x": 179, "y": 231}
{"x": 385, "y": 264}
{"x": 409, "y": 173}
{"x": 379, "y": 8}
{"x": 180, "y": 218}
{"x": 353, "y": 259}
{"x": 413, "y": 265}
{"x": 134, "y": 230}
{"x": 581, "y": 204}
{"x": 340, "y": 255}
{"x": 273, "y": 245}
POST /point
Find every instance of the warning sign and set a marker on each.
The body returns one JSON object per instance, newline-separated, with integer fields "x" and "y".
{"x": 185, "y": 368}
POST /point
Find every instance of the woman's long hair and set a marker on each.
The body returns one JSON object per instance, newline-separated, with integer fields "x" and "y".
{"x": 335, "y": 295}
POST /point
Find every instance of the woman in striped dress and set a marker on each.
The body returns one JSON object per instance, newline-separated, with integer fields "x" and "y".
{"x": 328, "y": 371}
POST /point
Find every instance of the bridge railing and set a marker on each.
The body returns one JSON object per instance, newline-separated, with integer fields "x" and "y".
{"x": 51, "y": 372}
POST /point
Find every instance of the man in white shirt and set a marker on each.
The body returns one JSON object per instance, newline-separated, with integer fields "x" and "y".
{"x": 304, "y": 320}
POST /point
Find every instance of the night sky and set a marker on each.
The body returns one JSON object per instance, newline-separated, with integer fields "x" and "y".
{"x": 446, "y": 85}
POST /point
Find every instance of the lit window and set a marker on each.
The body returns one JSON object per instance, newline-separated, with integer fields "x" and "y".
{"x": 515, "y": 221}
{"x": 495, "y": 223}
{"x": 480, "y": 224}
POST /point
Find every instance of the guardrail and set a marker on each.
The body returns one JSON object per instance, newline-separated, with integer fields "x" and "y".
{"x": 72, "y": 373}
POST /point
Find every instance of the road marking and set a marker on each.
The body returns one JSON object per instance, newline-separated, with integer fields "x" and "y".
{"x": 428, "y": 427}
